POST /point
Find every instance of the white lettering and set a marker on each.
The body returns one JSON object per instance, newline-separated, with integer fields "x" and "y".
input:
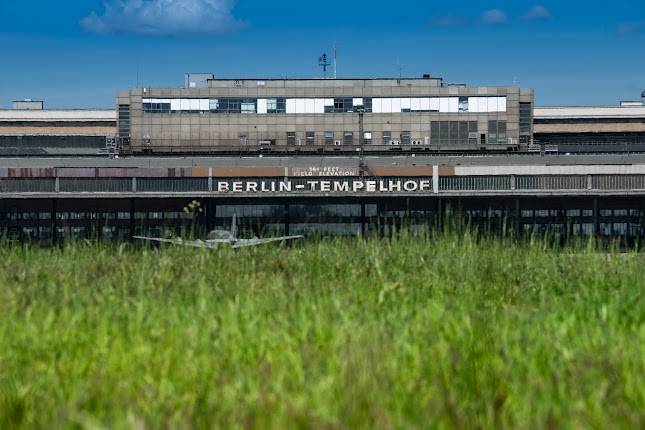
{"x": 341, "y": 186}
{"x": 410, "y": 186}
{"x": 326, "y": 186}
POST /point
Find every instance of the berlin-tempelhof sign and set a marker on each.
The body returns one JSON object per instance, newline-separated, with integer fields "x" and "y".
{"x": 416, "y": 185}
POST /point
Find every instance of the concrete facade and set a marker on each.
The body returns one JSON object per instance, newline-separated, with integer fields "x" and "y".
{"x": 609, "y": 128}
{"x": 322, "y": 113}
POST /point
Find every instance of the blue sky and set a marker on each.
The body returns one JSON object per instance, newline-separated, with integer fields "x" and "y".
{"x": 78, "y": 53}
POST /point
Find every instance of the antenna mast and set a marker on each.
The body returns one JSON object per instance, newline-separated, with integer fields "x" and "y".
{"x": 323, "y": 61}
{"x": 334, "y": 60}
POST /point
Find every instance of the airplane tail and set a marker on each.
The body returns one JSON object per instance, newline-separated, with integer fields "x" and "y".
{"x": 234, "y": 226}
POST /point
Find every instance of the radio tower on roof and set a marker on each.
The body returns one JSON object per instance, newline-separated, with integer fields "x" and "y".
{"x": 334, "y": 60}
{"x": 323, "y": 61}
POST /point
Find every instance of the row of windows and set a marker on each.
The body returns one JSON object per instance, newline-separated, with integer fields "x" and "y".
{"x": 441, "y": 132}
{"x": 282, "y": 105}
{"x": 446, "y": 132}
{"x": 73, "y": 216}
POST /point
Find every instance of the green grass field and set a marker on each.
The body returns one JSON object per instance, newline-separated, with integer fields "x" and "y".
{"x": 446, "y": 332}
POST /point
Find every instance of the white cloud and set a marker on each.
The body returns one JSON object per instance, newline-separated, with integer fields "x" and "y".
{"x": 164, "y": 17}
{"x": 537, "y": 13}
{"x": 494, "y": 17}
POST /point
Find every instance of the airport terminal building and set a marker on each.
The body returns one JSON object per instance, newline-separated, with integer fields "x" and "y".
{"x": 330, "y": 156}
{"x": 323, "y": 115}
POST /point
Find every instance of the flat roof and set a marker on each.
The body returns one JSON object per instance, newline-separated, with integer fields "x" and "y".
{"x": 57, "y": 115}
{"x": 573, "y": 112}
{"x": 328, "y": 79}
{"x": 517, "y": 159}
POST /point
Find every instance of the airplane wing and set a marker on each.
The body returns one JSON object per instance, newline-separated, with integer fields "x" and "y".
{"x": 194, "y": 244}
{"x": 254, "y": 242}
{"x": 160, "y": 240}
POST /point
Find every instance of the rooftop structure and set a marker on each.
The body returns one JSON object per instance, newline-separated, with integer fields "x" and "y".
{"x": 591, "y": 125}
{"x": 323, "y": 113}
{"x": 55, "y": 131}
{"x": 28, "y": 104}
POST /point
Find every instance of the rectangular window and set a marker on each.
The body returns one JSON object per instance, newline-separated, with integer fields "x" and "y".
{"x": 463, "y": 104}
{"x": 329, "y": 138}
{"x": 124, "y": 121}
{"x": 367, "y": 138}
{"x": 348, "y": 138}
{"x": 248, "y": 106}
{"x": 367, "y": 104}
{"x": 492, "y": 132}
{"x": 501, "y": 132}
{"x": 156, "y": 107}
{"x": 222, "y": 106}
{"x": 387, "y": 137}
{"x": 445, "y": 133}
{"x": 434, "y": 132}
{"x": 454, "y": 132}
{"x": 405, "y": 138}
{"x": 277, "y": 105}
{"x": 463, "y": 132}
{"x": 234, "y": 105}
{"x": 472, "y": 132}
{"x": 526, "y": 114}
{"x": 310, "y": 138}
{"x": 291, "y": 138}
{"x": 343, "y": 104}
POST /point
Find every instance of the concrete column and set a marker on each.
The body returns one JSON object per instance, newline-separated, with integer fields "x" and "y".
{"x": 57, "y": 185}
{"x": 134, "y": 184}
{"x": 435, "y": 179}
{"x": 589, "y": 182}
{"x": 513, "y": 183}
{"x": 210, "y": 179}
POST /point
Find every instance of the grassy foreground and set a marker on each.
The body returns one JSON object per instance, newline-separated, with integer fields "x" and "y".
{"x": 447, "y": 332}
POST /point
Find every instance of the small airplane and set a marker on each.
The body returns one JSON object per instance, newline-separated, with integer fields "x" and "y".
{"x": 221, "y": 237}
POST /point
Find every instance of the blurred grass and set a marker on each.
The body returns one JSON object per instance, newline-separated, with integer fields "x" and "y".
{"x": 444, "y": 331}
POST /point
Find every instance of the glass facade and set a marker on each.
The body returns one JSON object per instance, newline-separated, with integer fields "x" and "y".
{"x": 285, "y": 105}
{"x": 48, "y": 222}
